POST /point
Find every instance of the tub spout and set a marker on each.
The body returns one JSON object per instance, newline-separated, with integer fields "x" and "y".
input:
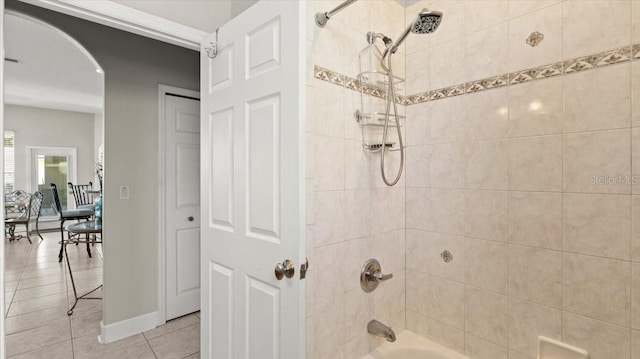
{"x": 376, "y": 328}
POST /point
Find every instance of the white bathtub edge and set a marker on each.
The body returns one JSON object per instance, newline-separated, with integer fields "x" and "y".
{"x": 411, "y": 340}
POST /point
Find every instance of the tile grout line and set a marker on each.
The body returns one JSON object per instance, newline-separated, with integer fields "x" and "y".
{"x": 149, "y": 344}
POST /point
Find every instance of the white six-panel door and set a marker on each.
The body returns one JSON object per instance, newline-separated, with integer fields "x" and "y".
{"x": 182, "y": 206}
{"x": 253, "y": 185}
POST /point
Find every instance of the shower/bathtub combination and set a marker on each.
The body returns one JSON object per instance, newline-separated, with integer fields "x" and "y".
{"x": 496, "y": 182}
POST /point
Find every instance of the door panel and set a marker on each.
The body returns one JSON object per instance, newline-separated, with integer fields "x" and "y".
{"x": 253, "y": 184}
{"x": 182, "y": 209}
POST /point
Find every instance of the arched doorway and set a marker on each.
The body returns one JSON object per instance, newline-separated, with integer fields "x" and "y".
{"x": 54, "y": 100}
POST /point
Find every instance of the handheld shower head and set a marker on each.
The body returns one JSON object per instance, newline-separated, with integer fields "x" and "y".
{"x": 425, "y": 23}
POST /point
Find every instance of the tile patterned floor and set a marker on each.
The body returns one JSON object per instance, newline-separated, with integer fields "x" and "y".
{"x": 37, "y": 296}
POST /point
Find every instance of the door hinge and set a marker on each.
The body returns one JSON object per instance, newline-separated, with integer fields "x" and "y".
{"x": 303, "y": 269}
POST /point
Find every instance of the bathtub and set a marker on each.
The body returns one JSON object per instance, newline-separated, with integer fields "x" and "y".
{"x": 411, "y": 346}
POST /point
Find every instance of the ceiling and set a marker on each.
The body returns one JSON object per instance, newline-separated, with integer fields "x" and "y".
{"x": 52, "y": 70}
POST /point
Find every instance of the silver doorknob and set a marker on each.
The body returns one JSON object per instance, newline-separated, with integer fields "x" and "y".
{"x": 285, "y": 269}
{"x": 190, "y": 218}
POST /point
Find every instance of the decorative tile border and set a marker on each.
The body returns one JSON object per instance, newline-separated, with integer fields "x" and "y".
{"x": 606, "y": 58}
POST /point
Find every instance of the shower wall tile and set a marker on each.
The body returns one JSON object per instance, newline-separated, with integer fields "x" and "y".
{"x": 486, "y": 264}
{"x": 447, "y": 120}
{"x": 487, "y": 115}
{"x": 602, "y": 340}
{"x": 417, "y": 288}
{"x": 487, "y": 315}
{"x": 535, "y": 163}
{"x": 358, "y": 346}
{"x": 432, "y": 246}
{"x": 593, "y": 162}
{"x": 418, "y": 159}
{"x": 447, "y": 208}
{"x": 597, "y": 287}
{"x": 635, "y": 228}
{"x": 357, "y": 217}
{"x": 453, "y": 27}
{"x": 356, "y": 310}
{"x": 535, "y": 108}
{"x": 487, "y": 165}
{"x": 419, "y": 125}
{"x": 352, "y": 102}
{"x": 328, "y": 325}
{"x": 548, "y": 22}
{"x": 416, "y": 257}
{"x": 418, "y": 68}
{"x": 597, "y": 100}
{"x": 635, "y": 295}
{"x": 447, "y": 165}
{"x": 329, "y": 163}
{"x": 482, "y": 14}
{"x": 486, "y": 54}
{"x": 446, "y": 335}
{"x": 447, "y": 63}
{"x": 578, "y": 19}
{"x": 535, "y": 219}
{"x": 635, "y": 160}
{"x": 635, "y": 344}
{"x": 327, "y": 101}
{"x": 481, "y": 349}
{"x": 418, "y": 208}
{"x": 387, "y": 302}
{"x": 635, "y": 21}
{"x": 527, "y": 321}
{"x": 535, "y": 275}
{"x": 359, "y": 167}
{"x": 445, "y": 302}
{"x": 387, "y": 209}
{"x": 522, "y": 7}
{"x": 330, "y": 258}
{"x": 415, "y": 43}
{"x": 354, "y": 214}
{"x": 486, "y": 214}
{"x": 388, "y": 248}
{"x": 329, "y": 215}
{"x": 597, "y": 224}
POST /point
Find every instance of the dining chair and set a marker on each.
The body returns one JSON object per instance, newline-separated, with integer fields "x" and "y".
{"x": 83, "y": 199}
{"x": 16, "y": 202}
{"x": 69, "y": 215}
{"x": 32, "y": 214}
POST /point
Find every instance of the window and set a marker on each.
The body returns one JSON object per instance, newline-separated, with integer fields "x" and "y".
{"x": 9, "y": 161}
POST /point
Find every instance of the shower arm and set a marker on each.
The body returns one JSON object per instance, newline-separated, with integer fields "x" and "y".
{"x": 323, "y": 17}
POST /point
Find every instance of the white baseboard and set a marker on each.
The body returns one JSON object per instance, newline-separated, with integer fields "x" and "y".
{"x": 126, "y": 328}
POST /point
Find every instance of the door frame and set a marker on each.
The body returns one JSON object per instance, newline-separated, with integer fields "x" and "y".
{"x": 164, "y": 90}
{"x": 113, "y": 15}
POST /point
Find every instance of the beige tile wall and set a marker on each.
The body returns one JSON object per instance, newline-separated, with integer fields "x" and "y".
{"x": 352, "y": 215}
{"x": 502, "y": 179}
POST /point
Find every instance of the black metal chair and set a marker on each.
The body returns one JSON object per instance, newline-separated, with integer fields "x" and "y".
{"x": 83, "y": 199}
{"x": 73, "y": 215}
{"x": 32, "y": 214}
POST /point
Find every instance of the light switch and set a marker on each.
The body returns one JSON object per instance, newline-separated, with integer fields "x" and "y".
{"x": 124, "y": 192}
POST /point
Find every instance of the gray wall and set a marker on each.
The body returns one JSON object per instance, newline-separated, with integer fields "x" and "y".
{"x": 51, "y": 128}
{"x": 134, "y": 67}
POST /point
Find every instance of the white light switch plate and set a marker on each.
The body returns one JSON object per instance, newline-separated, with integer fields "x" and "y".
{"x": 552, "y": 349}
{"x": 124, "y": 192}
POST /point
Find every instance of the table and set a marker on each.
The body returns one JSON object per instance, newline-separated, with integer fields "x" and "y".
{"x": 12, "y": 207}
{"x": 88, "y": 227}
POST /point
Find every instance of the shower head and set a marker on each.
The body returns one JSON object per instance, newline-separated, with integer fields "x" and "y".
{"x": 425, "y": 23}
